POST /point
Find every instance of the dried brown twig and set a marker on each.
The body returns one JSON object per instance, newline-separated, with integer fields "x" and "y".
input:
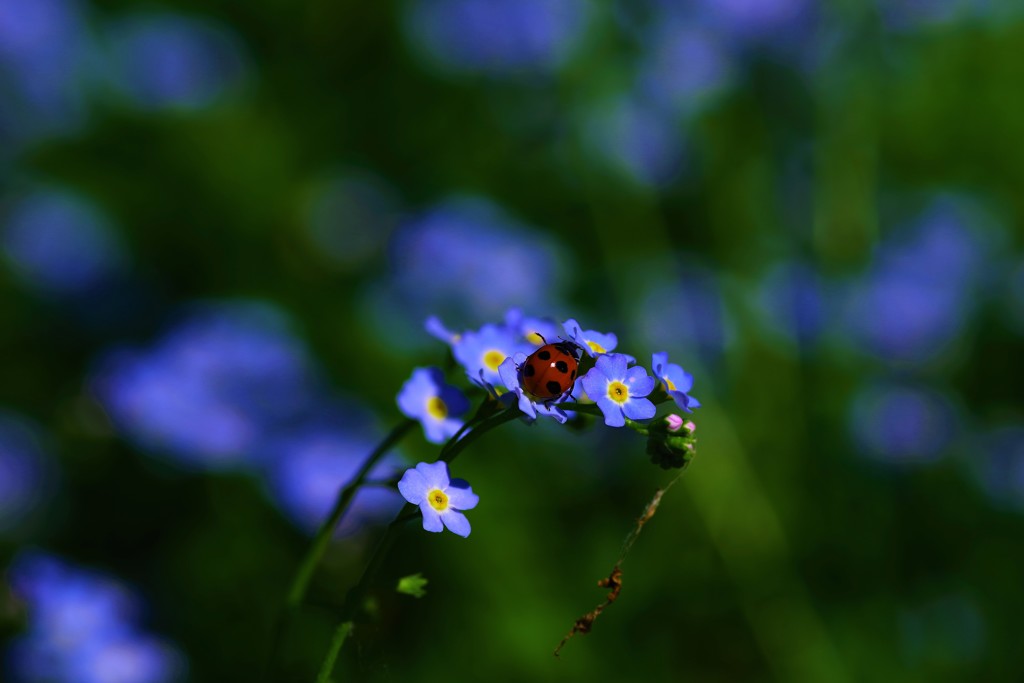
{"x": 614, "y": 580}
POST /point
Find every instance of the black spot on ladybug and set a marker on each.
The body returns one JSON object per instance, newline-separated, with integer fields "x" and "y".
{"x": 544, "y": 355}
{"x": 554, "y": 388}
{"x": 562, "y": 366}
{"x": 529, "y": 371}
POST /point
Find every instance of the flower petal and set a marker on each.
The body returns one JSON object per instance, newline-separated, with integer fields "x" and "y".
{"x": 508, "y": 373}
{"x": 639, "y": 409}
{"x": 612, "y": 412}
{"x": 413, "y": 486}
{"x": 595, "y": 381}
{"x": 456, "y": 522}
{"x": 641, "y": 385}
{"x": 435, "y": 474}
{"x": 658, "y": 363}
{"x": 431, "y": 518}
{"x": 612, "y": 365}
{"x": 461, "y": 496}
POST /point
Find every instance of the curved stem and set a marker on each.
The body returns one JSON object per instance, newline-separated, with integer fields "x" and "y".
{"x": 357, "y": 594}
{"x": 323, "y": 535}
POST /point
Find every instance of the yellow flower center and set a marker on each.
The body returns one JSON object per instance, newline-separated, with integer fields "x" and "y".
{"x": 534, "y": 338}
{"x": 618, "y": 392}
{"x": 595, "y": 347}
{"x": 438, "y": 500}
{"x": 669, "y": 384}
{"x": 493, "y": 359}
{"x": 436, "y": 408}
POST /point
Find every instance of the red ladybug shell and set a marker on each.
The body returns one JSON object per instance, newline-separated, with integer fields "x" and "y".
{"x": 550, "y": 371}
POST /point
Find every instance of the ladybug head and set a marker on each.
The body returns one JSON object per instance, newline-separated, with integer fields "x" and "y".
{"x": 570, "y": 348}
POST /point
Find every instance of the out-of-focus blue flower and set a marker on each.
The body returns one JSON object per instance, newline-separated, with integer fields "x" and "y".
{"x": 636, "y": 137}
{"x": 498, "y": 37}
{"x": 437, "y": 405}
{"x": 481, "y": 352}
{"x": 536, "y": 331}
{"x": 923, "y": 286}
{"x": 901, "y": 423}
{"x": 684, "y": 66}
{"x": 44, "y": 58}
{"x": 137, "y": 659}
{"x": 308, "y": 470}
{"x": 83, "y": 627}
{"x": 688, "y": 312}
{"x": 465, "y": 260}
{"x": 26, "y": 474}
{"x": 171, "y": 61}
{"x": 619, "y": 390}
{"x": 758, "y": 21}
{"x": 999, "y": 465}
{"x": 677, "y": 382}
{"x": 511, "y": 378}
{"x": 213, "y": 387}
{"x": 440, "y": 498}
{"x": 60, "y": 243}
{"x": 351, "y": 217}
{"x": 593, "y": 342}
{"x": 792, "y": 302}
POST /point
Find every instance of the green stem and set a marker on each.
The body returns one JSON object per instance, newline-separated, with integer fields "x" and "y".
{"x": 342, "y": 632}
{"x": 357, "y": 594}
{"x": 323, "y": 536}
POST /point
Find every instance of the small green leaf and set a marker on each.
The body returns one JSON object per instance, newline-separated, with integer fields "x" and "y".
{"x": 412, "y": 585}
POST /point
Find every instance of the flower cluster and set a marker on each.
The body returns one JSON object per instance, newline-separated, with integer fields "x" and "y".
{"x": 83, "y": 626}
{"x": 538, "y": 367}
{"x": 495, "y": 357}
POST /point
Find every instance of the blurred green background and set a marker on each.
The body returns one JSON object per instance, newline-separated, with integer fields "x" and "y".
{"x": 223, "y": 224}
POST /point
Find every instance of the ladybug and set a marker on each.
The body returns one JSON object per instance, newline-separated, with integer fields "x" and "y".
{"x": 550, "y": 370}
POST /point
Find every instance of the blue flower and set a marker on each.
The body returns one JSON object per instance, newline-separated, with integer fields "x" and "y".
{"x": 60, "y": 243}
{"x": 619, "y": 390}
{"x": 792, "y": 302}
{"x": 689, "y": 312}
{"x": 83, "y": 628}
{"x": 310, "y": 468}
{"x": 468, "y": 259}
{"x": 440, "y": 498}
{"x": 213, "y": 387}
{"x": 45, "y": 57}
{"x": 635, "y": 137}
{"x": 512, "y": 378}
{"x": 500, "y": 37}
{"x": 918, "y": 297}
{"x": 536, "y": 331}
{"x": 677, "y": 382}
{"x": 426, "y": 397}
{"x": 171, "y": 61}
{"x": 26, "y": 474}
{"x": 594, "y": 343}
{"x": 685, "y": 66}
{"x": 481, "y": 352}
{"x": 902, "y": 423}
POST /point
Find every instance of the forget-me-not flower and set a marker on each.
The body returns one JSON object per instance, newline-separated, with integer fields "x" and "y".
{"x": 428, "y": 398}
{"x": 677, "y": 382}
{"x": 441, "y": 499}
{"x": 619, "y": 390}
{"x": 594, "y": 343}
